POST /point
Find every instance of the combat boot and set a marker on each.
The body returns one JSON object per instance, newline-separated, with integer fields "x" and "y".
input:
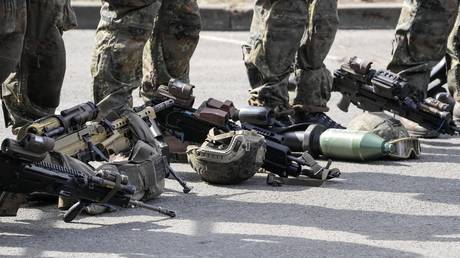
{"x": 316, "y": 118}
{"x": 416, "y": 130}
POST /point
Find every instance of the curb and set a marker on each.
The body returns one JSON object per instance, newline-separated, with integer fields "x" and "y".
{"x": 225, "y": 18}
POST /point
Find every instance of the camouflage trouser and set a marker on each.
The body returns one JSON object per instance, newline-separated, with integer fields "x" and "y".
{"x": 33, "y": 49}
{"x": 278, "y": 28}
{"x": 453, "y": 51}
{"x": 421, "y": 37}
{"x": 166, "y": 32}
{"x": 12, "y": 30}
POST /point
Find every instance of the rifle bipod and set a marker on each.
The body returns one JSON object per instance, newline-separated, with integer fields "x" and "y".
{"x": 186, "y": 188}
{"x": 78, "y": 207}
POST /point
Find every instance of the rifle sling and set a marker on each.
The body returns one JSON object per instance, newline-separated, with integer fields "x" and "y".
{"x": 114, "y": 190}
{"x": 311, "y": 162}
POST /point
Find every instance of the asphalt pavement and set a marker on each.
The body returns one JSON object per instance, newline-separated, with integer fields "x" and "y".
{"x": 383, "y": 208}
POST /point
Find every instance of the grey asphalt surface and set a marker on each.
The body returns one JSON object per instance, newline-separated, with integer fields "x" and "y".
{"x": 382, "y": 208}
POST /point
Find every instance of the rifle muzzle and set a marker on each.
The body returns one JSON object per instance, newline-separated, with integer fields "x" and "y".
{"x": 308, "y": 140}
{"x": 260, "y": 116}
{"x": 69, "y": 119}
{"x": 180, "y": 89}
{"x": 31, "y": 147}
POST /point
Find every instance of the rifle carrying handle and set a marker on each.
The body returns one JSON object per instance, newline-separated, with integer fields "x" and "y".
{"x": 344, "y": 103}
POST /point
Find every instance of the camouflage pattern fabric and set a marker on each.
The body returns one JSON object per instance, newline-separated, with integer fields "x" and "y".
{"x": 31, "y": 37}
{"x": 168, "y": 30}
{"x": 380, "y": 124}
{"x": 420, "y": 41}
{"x": 453, "y": 52}
{"x": 228, "y": 158}
{"x": 13, "y": 15}
{"x": 278, "y": 28}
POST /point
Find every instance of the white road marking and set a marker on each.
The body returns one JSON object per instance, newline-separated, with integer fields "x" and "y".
{"x": 224, "y": 40}
{"x": 240, "y": 42}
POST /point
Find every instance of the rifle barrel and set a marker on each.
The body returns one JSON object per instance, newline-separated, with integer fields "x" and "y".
{"x": 164, "y": 211}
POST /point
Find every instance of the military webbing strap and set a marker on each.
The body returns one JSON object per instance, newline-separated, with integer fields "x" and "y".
{"x": 114, "y": 189}
{"x": 215, "y": 138}
{"x": 311, "y": 162}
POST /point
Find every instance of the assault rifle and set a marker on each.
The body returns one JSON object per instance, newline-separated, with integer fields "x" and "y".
{"x": 77, "y": 135}
{"x": 23, "y": 170}
{"x": 189, "y": 124}
{"x": 379, "y": 90}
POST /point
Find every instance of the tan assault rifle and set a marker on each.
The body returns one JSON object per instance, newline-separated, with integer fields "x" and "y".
{"x": 77, "y": 135}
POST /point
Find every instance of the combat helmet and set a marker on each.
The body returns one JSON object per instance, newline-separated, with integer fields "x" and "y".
{"x": 228, "y": 157}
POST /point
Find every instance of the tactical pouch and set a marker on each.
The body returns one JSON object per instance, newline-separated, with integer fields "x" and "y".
{"x": 145, "y": 169}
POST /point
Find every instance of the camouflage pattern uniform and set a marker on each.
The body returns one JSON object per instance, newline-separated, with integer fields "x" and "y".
{"x": 163, "y": 33}
{"x": 12, "y": 30}
{"x": 420, "y": 42}
{"x": 283, "y": 31}
{"x": 32, "y": 48}
{"x": 453, "y": 51}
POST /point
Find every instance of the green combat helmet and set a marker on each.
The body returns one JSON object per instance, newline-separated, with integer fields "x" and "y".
{"x": 228, "y": 158}
{"x": 380, "y": 124}
{"x": 391, "y": 131}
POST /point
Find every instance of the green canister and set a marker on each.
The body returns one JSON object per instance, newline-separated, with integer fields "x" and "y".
{"x": 353, "y": 145}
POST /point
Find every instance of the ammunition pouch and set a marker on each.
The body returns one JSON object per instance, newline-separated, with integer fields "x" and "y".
{"x": 146, "y": 169}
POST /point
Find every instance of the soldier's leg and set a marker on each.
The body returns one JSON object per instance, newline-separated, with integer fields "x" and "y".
{"x": 314, "y": 81}
{"x": 34, "y": 90}
{"x": 420, "y": 41}
{"x": 453, "y": 51}
{"x": 275, "y": 36}
{"x": 168, "y": 52}
{"x": 124, "y": 29}
{"x": 13, "y": 20}
{"x": 453, "y": 75}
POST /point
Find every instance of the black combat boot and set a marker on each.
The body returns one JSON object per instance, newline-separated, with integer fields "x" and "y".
{"x": 316, "y": 118}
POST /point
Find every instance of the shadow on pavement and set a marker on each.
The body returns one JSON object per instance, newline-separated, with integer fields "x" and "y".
{"x": 430, "y": 189}
{"x": 245, "y": 229}
{"x": 258, "y": 182}
{"x": 146, "y": 238}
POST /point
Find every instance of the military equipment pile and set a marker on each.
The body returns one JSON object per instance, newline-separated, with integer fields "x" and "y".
{"x": 96, "y": 157}
{"x": 52, "y": 154}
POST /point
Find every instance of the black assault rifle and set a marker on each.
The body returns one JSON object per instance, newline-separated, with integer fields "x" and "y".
{"x": 379, "y": 90}
{"x": 193, "y": 125}
{"x": 23, "y": 170}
